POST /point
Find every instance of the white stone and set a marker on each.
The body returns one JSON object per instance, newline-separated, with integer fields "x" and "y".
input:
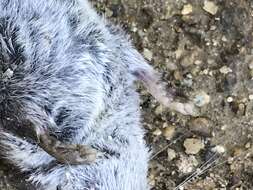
{"x": 187, "y": 9}
{"x": 219, "y": 149}
{"x": 230, "y": 99}
{"x": 201, "y": 99}
{"x": 148, "y": 54}
{"x": 225, "y": 70}
{"x": 210, "y": 7}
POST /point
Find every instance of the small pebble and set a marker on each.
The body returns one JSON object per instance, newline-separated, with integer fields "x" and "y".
{"x": 171, "y": 154}
{"x": 195, "y": 71}
{"x": 198, "y": 62}
{"x": 134, "y": 28}
{"x": 248, "y": 145}
{"x": 177, "y": 75}
{"x": 201, "y": 126}
{"x": 230, "y": 160}
{"x": 213, "y": 27}
{"x": 219, "y": 149}
{"x": 230, "y": 99}
{"x": 193, "y": 145}
{"x": 201, "y": 99}
{"x": 224, "y": 127}
{"x": 210, "y": 7}
{"x": 225, "y": 70}
{"x": 187, "y": 82}
{"x": 189, "y": 76}
{"x": 178, "y": 53}
{"x": 224, "y": 39}
{"x": 169, "y": 132}
{"x": 108, "y": 12}
{"x": 205, "y": 72}
{"x": 148, "y": 54}
{"x": 187, "y": 9}
{"x": 215, "y": 42}
{"x": 237, "y": 151}
{"x": 251, "y": 96}
{"x": 186, "y": 165}
{"x": 157, "y": 132}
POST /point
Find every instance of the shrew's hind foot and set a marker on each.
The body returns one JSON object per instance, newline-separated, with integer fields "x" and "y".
{"x": 73, "y": 154}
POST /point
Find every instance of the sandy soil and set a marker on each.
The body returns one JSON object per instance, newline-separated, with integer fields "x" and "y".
{"x": 204, "y": 50}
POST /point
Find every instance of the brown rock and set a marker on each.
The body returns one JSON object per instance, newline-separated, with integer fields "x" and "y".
{"x": 193, "y": 145}
{"x": 201, "y": 126}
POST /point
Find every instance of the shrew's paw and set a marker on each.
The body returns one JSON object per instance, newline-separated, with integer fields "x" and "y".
{"x": 73, "y": 154}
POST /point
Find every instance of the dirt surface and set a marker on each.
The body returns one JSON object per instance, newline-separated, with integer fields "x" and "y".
{"x": 204, "y": 50}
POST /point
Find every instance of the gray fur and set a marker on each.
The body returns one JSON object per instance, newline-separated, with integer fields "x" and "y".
{"x": 75, "y": 75}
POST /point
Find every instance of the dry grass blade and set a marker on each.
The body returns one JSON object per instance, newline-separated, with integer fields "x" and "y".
{"x": 199, "y": 171}
{"x": 167, "y": 146}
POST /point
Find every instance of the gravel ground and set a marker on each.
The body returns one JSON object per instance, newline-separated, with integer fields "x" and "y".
{"x": 204, "y": 50}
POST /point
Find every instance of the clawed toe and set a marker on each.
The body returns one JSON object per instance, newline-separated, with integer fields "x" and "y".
{"x": 73, "y": 154}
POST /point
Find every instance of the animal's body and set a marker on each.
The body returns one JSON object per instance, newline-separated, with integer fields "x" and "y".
{"x": 72, "y": 73}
